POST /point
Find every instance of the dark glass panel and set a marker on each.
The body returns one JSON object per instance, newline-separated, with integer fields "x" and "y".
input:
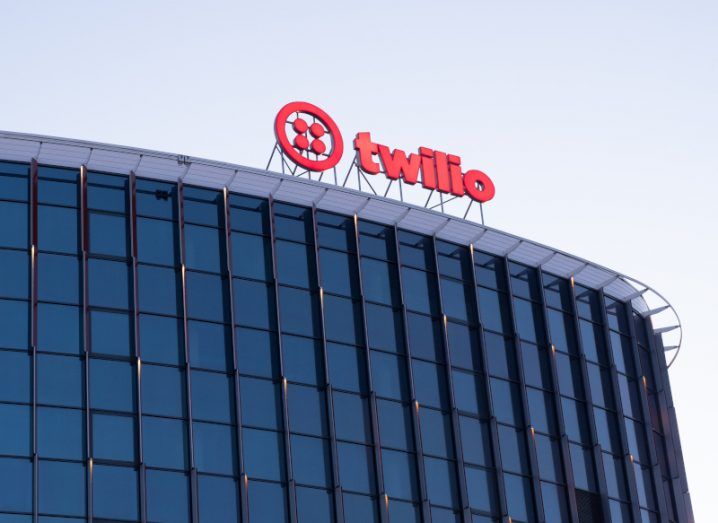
{"x": 215, "y": 448}
{"x": 257, "y": 352}
{"x": 110, "y": 333}
{"x": 644, "y": 486}
{"x": 168, "y": 496}
{"x": 464, "y": 347}
{"x": 107, "y": 192}
{"x": 299, "y": 312}
{"x": 210, "y": 346}
{"x": 204, "y": 248}
{"x": 347, "y": 367}
{"x": 494, "y": 308}
{"x": 307, "y": 410}
{"x": 592, "y": 341}
{"x": 599, "y": 380}
{"x": 384, "y": 328}
{"x": 430, "y": 384}
{"x": 61, "y": 488}
{"x": 218, "y": 499}
{"x": 16, "y": 268}
{"x": 575, "y": 420}
{"x": 251, "y": 256}
{"x": 61, "y": 433}
{"x": 110, "y": 284}
{"x": 615, "y": 476}
{"x": 108, "y": 235}
{"x": 203, "y": 206}
{"x": 356, "y": 468}
{"x": 58, "y": 192}
{"x": 519, "y": 497}
{"x": 16, "y": 430}
{"x": 500, "y": 356}
{"x": 404, "y": 512}
{"x": 416, "y": 250}
{"x": 60, "y": 380}
{"x": 441, "y": 485}
{"x": 569, "y": 376}
{"x": 249, "y": 214}
{"x": 630, "y": 397}
{"x": 400, "y": 479}
{"x": 458, "y": 300}
{"x": 158, "y": 290}
{"x": 537, "y": 366}
{"x": 506, "y": 398}
{"x": 314, "y": 506}
{"x": 377, "y": 240}
{"x": 395, "y": 425}
{"x": 157, "y": 199}
{"x": 296, "y": 264}
{"x": 165, "y": 442}
{"x": 563, "y": 331}
{"x": 13, "y": 225}
{"x": 454, "y": 260}
{"x": 557, "y": 292}
{"x": 359, "y": 509}
{"x": 529, "y": 321}
{"x": 15, "y": 376}
{"x": 112, "y": 385}
{"x": 264, "y": 454}
{"x": 311, "y": 463}
{"x": 623, "y": 354}
{"x": 482, "y": 490}
{"x": 617, "y": 315}
{"x": 335, "y": 231}
{"x": 542, "y": 411}
{"x": 14, "y": 187}
{"x": 352, "y": 419}
{"x": 343, "y": 320}
{"x": 379, "y": 281}
{"x": 268, "y": 502}
{"x": 339, "y": 272}
{"x": 588, "y": 304}
{"x": 548, "y": 454}
{"x": 514, "y": 454}
{"x": 490, "y": 270}
{"x": 469, "y": 393}
{"x": 293, "y": 222}
{"x": 113, "y": 437}
{"x": 637, "y": 444}
{"x": 57, "y": 229}
{"x": 59, "y": 328}
{"x": 163, "y": 391}
{"x": 420, "y": 293}
{"x": 157, "y": 241}
{"x": 254, "y": 304}
{"x": 607, "y": 430}
{"x": 261, "y": 406}
{"x": 525, "y": 282}
{"x": 160, "y": 339}
{"x": 555, "y": 505}
{"x": 303, "y": 360}
{"x": 476, "y": 441}
{"x": 114, "y": 492}
{"x": 212, "y": 397}
{"x": 207, "y": 297}
{"x": 436, "y": 434}
{"x": 58, "y": 278}
{"x": 389, "y": 375}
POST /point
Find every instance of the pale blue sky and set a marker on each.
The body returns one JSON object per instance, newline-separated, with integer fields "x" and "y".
{"x": 598, "y": 121}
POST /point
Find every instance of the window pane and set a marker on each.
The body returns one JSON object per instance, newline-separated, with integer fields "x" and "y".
{"x": 254, "y": 304}
{"x": 59, "y": 328}
{"x": 57, "y": 229}
{"x": 108, "y": 234}
{"x": 157, "y": 241}
{"x": 156, "y": 199}
{"x": 507, "y": 401}
{"x": 163, "y": 391}
{"x": 514, "y": 455}
{"x": 389, "y": 375}
{"x": 303, "y": 360}
{"x": 114, "y": 492}
{"x": 493, "y": 307}
{"x": 13, "y": 225}
{"x": 307, "y": 410}
{"x": 395, "y": 425}
{"x": 299, "y": 312}
{"x": 167, "y": 496}
{"x": 251, "y": 256}
{"x": 441, "y": 482}
{"x": 15, "y": 376}
{"x": 351, "y": 417}
{"x": 519, "y": 497}
{"x": 310, "y": 461}
{"x": 212, "y": 397}
{"x": 207, "y": 297}
{"x": 257, "y": 352}
{"x": 476, "y": 442}
{"x": 469, "y": 394}
{"x": 501, "y": 356}
{"x": 268, "y": 502}
{"x": 218, "y": 499}
{"x": 548, "y": 453}
{"x": 109, "y": 284}
{"x": 430, "y": 384}
{"x": 209, "y": 345}
{"x": 61, "y": 433}
{"x": 165, "y": 442}
{"x": 204, "y": 248}
{"x": 420, "y": 291}
{"x": 15, "y": 430}
{"x": 360, "y": 509}
{"x": 215, "y": 448}
{"x": 160, "y": 339}
{"x": 347, "y": 367}
{"x": 457, "y": 300}
{"x": 379, "y": 281}
{"x": 529, "y": 322}
{"x": 339, "y": 272}
{"x": 61, "y": 487}
{"x": 384, "y": 328}
{"x": 436, "y": 433}
{"x": 464, "y": 346}
{"x": 554, "y": 502}
{"x": 113, "y": 437}
{"x": 399, "y": 474}
{"x": 314, "y": 506}
{"x": 17, "y": 265}
{"x": 541, "y": 410}
{"x": 261, "y": 406}
{"x": 158, "y": 290}
{"x": 536, "y": 365}
{"x": 60, "y": 380}
{"x": 481, "y": 486}
{"x": 296, "y": 264}
{"x": 249, "y": 214}
{"x": 58, "y": 278}
{"x": 356, "y": 468}
{"x": 111, "y": 333}
{"x": 425, "y": 337}
{"x": 264, "y": 454}
{"x": 112, "y": 385}
{"x": 342, "y": 320}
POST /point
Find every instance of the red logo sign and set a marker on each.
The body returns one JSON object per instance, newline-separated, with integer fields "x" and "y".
{"x": 439, "y": 171}
{"x": 312, "y": 129}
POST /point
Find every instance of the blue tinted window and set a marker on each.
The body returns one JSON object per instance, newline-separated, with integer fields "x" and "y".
{"x": 15, "y": 376}
{"x": 61, "y": 487}
{"x": 108, "y": 234}
{"x": 258, "y": 265}
{"x": 469, "y": 396}
{"x": 110, "y": 333}
{"x": 16, "y": 430}
{"x": 212, "y": 397}
{"x": 399, "y": 474}
{"x": 490, "y": 270}
{"x": 599, "y": 380}
{"x": 576, "y": 422}
{"x": 557, "y": 292}
{"x": 623, "y": 354}
{"x": 16, "y": 484}
{"x": 58, "y": 278}
{"x": 157, "y": 241}
{"x": 167, "y": 496}
{"x": 114, "y": 492}
{"x": 379, "y": 281}
{"x": 164, "y": 442}
{"x": 507, "y": 401}
{"x": 416, "y": 250}
{"x": 475, "y": 439}
{"x": 436, "y": 436}
{"x": 514, "y": 454}
{"x": 395, "y": 425}
{"x": 342, "y": 320}
{"x": 160, "y": 339}
{"x": 377, "y": 240}
{"x": 335, "y": 231}
{"x": 494, "y": 310}
{"x": 263, "y": 454}
{"x": 60, "y": 380}
{"x": 254, "y": 304}
{"x": 257, "y": 352}
{"x": 107, "y": 192}
{"x": 261, "y": 406}
{"x": 204, "y": 248}
{"x": 339, "y": 272}
{"x": 457, "y": 300}
{"x": 519, "y": 497}
{"x": 296, "y": 264}
{"x": 109, "y": 284}
{"x": 268, "y": 502}
{"x": 569, "y": 376}
{"x": 403, "y": 511}
{"x": 592, "y": 341}
{"x": 359, "y": 509}
{"x": 293, "y": 222}
{"x": 563, "y": 333}
{"x": 112, "y": 385}
{"x": 501, "y": 356}
{"x": 351, "y": 417}
{"x": 529, "y": 322}
{"x": 113, "y": 437}
{"x": 310, "y": 461}
{"x": 464, "y": 347}
{"x": 303, "y": 360}
{"x": 209, "y": 345}
{"x": 299, "y": 312}
{"x": 554, "y": 502}
{"x": 541, "y": 410}
{"x": 425, "y": 337}
{"x": 61, "y": 433}
{"x": 163, "y": 391}
{"x": 207, "y": 297}
{"x": 158, "y": 290}
{"x": 356, "y": 467}
{"x": 314, "y": 506}
{"x": 430, "y": 384}
{"x": 537, "y": 367}
{"x": 548, "y": 454}
{"x": 156, "y": 199}
{"x": 441, "y": 482}
{"x": 59, "y": 328}
{"x": 307, "y": 410}
{"x": 17, "y": 264}
{"x": 57, "y": 229}
{"x": 215, "y": 448}
{"x": 420, "y": 291}
{"x": 454, "y": 260}
{"x": 249, "y": 214}
{"x": 588, "y": 304}
{"x": 389, "y": 375}
{"x": 525, "y": 282}
{"x": 384, "y": 328}
{"x": 616, "y": 476}
{"x": 347, "y": 367}
{"x": 13, "y": 224}
{"x": 582, "y": 465}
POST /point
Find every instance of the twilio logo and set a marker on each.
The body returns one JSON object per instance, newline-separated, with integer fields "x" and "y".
{"x": 312, "y": 129}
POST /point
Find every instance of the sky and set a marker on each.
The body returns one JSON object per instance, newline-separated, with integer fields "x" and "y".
{"x": 597, "y": 121}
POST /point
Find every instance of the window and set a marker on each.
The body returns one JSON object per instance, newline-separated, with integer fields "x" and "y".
{"x": 109, "y": 284}
{"x": 359, "y": 509}
{"x": 13, "y": 225}
{"x": 254, "y": 304}
{"x": 268, "y": 502}
{"x": 296, "y": 264}
{"x": 468, "y": 395}
{"x": 436, "y": 433}
{"x": 576, "y": 421}
{"x": 209, "y": 346}
{"x": 548, "y": 454}
{"x": 476, "y": 442}
{"x": 57, "y": 229}
{"x": 112, "y": 385}
{"x": 163, "y": 391}
{"x": 15, "y": 435}
{"x": 351, "y": 417}
{"x": 264, "y": 454}
{"x": 554, "y": 502}
{"x": 389, "y": 374}
{"x": 61, "y": 488}
{"x": 207, "y": 297}
{"x": 303, "y": 360}
{"x": 395, "y": 425}
{"x": 384, "y": 328}
{"x": 536, "y": 365}
{"x": 114, "y": 492}
{"x": 457, "y": 300}
{"x": 570, "y": 381}
{"x": 335, "y": 231}
{"x": 501, "y": 356}
{"x": 529, "y": 322}
{"x": 113, "y": 437}
{"x": 212, "y": 397}
{"x": 514, "y": 455}
{"x": 204, "y": 248}
{"x": 494, "y": 310}
{"x": 377, "y": 240}
{"x": 356, "y": 468}
{"x": 399, "y": 474}
{"x": 158, "y": 290}
{"x": 160, "y": 339}
{"x": 307, "y": 410}
{"x": 343, "y": 320}
{"x": 430, "y": 384}
{"x": 379, "y": 281}
{"x": 339, "y": 272}
{"x": 582, "y": 465}
{"x": 464, "y": 347}
{"x": 156, "y": 199}
{"x": 218, "y": 499}
{"x": 108, "y": 234}
{"x": 203, "y": 206}
{"x": 257, "y": 352}
{"x": 293, "y": 222}
{"x": 258, "y": 265}
{"x": 215, "y": 448}
{"x": 310, "y": 461}
{"x": 507, "y": 402}
{"x": 347, "y": 367}
{"x": 167, "y": 496}
{"x": 249, "y": 214}
{"x": 58, "y": 278}
{"x": 299, "y": 312}
{"x": 15, "y": 376}
{"x": 60, "y": 380}
{"x": 441, "y": 482}
{"x": 59, "y": 328}
{"x": 61, "y": 433}
{"x": 425, "y": 337}
{"x": 165, "y": 443}
{"x": 519, "y": 497}
{"x": 261, "y": 406}
{"x": 17, "y": 264}
{"x": 314, "y": 506}
{"x": 481, "y": 486}
{"x": 563, "y": 332}
{"x": 420, "y": 291}
{"x": 110, "y": 333}
{"x": 157, "y": 241}
{"x": 541, "y": 410}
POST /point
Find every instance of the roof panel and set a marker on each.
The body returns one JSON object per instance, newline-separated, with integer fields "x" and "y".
{"x": 63, "y": 155}
{"x": 18, "y": 150}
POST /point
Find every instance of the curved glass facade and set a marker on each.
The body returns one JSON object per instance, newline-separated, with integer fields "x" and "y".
{"x": 177, "y": 354}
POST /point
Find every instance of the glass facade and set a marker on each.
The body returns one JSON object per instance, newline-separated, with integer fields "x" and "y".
{"x": 174, "y": 354}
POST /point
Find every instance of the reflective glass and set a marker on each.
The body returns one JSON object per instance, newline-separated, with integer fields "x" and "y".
{"x": 16, "y": 263}
{"x": 343, "y": 320}
{"x": 157, "y": 241}
{"x": 519, "y": 497}
{"x": 389, "y": 375}
{"x": 314, "y": 506}
{"x": 113, "y": 437}
{"x": 351, "y": 417}
{"x": 310, "y": 461}
{"x": 339, "y": 272}
{"x": 303, "y": 360}
{"x": 514, "y": 454}
{"x": 425, "y": 337}
{"x": 347, "y": 367}
{"x": 264, "y": 454}
{"x": 165, "y": 442}
{"x": 218, "y": 499}
{"x": 61, "y": 488}
{"x": 112, "y": 385}
{"x": 493, "y": 307}
{"x": 257, "y": 352}
{"x": 476, "y": 441}
{"x": 212, "y": 397}
{"x": 15, "y": 430}
{"x": 13, "y": 224}
{"x": 108, "y": 234}
{"x": 209, "y": 346}
{"x": 356, "y": 468}
{"x": 441, "y": 483}
{"x": 296, "y": 264}
{"x": 110, "y": 284}
{"x": 400, "y": 474}
{"x": 204, "y": 248}
{"x": 258, "y": 265}
{"x": 114, "y": 492}
{"x": 395, "y": 425}
{"x": 254, "y": 304}
{"x": 335, "y": 231}
{"x": 167, "y": 496}
{"x": 163, "y": 391}
{"x": 482, "y": 490}
{"x": 307, "y": 410}
{"x": 60, "y": 380}
{"x": 261, "y": 406}
{"x": 57, "y": 229}
{"x": 384, "y": 328}
{"x": 61, "y": 433}
{"x": 267, "y": 502}
{"x": 436, "y": 433}
{"x": 110, "y": 333}
{"x": 58, "y": 278}
{"x": 215, "y": 448}
{"x": 15, "y": 376}
{"x": 299, "y": 311}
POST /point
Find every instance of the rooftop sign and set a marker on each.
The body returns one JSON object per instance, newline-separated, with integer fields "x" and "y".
{"x": 310, "y": 139}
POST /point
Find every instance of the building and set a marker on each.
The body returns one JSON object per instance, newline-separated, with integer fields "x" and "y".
{"x": 191, "y": 341}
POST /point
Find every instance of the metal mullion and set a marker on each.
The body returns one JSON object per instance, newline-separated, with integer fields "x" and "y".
{"x": 569, "y": 482}
{"x": 328, "y": 400}
{"x": 588, "y": 401}
{"x": 493, "y": 422}
{"x": 426, "y": 505}
{"x": 136, "y": 335}
{"x": 243, "y": 479}
{"x": 646, "y": 415}
{"x": 84, "y": 240}
{"x": 194, "y": 483}
{"x": 382, "y": 498}
{"x": 528, "y": 436}
{"x": 463, "y": 489}
{"x": 291, "y": 486}
{"x": 33, "y": 330}
{"x": 618, "y": 408}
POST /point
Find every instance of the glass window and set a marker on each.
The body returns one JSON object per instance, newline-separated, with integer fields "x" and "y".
{"x": 622, "y": 354}
{"x": 389, "y": 375}
{"x": 261, "y": 405}
{"x": 588, "y": 304}
{"x": 167, "y": 496}
{"x": 16, "y": 430}
{"x": 268, "y": 502}
{"x": 525, "y": 282}
{"x": 114, "y": 492}
{"x": 519, "y": 497}
{"x": 257, "y": 352}
{"x": 299, "y": 312}
{"x": 60, "y": 380}
{"x": 554, "y": 502}
{"x": 599, "y": 380}
{"x": 430, "y": 384}
{"x": 490, "y": 270}
{"x": 468, "y": 395}
{"x": 356, "y": 467}
{"x": 58, "y": 278}
{"x": 204, "y": 248}
{"x": 165, "y": 442}
{"x": 615, "y": 476}
{"x": 501, "y": 356}
{"x": 617, "y": 316}
{"x": 59, "y": 328}
{"x": 158, "y": 290}
{"x": 249, "y": 214}
{"x": 454, "y": 260}
{"x": 212, "y": 397}
{"x": 548, "y": 454}
{"x": 110, "y": 333}
{"x": 569, "y": 376}
{"x": 335, "y": 231}
{"x": 557, "y": 292}
{"x": 464, "y": 346}
{"x": 384, "y": 328}
{"x": 303, "y": 360}
{"x": 293, "y": 222}
{"x": 17, "y": 264}
{"x": 296, "y": 264}
{"x": 107, "y": 192}
{"x": 425, "y": 337}
{"x": 310, "y": 461}
{"x": 163, "y": 391}
{"x": 157, "y": 241}
{"x": 563, "y": 332}
{"x": 441, "y": 482}
{"x": 61, "y": 433}
{"x": 218, "y": 499}
{"x": 436, "y": 432}
{"x": 399, "y": 474}
{"x": 575, "y": 419}
{"x": 347, "y": 367}
{"x": 339, "y": 272}
{"x": 582, "y": 465}
{"x": 160, "y": 339}
{"x": 61, "y": 488}
{"x": 457, "y": 300}
{"x": 416, "y": 250}
{"x": 13, "y": 225}
{"x": 157, "y": 199}
{"x": 607, "y": 430}
{"x": 476, "y": 442}
{"x": 254, "y": 304}
{"x": 209, "y": 346}
{"x": 379, "y": 281}
{"x": 342, "y": 320}
{"x": 514, "y": 455}
{"x": 108, "y": 234}
{"x": 395, "y": 425}
{"x": 420, "y": 291}
{"x": 630, "y": 397}
{"x": 57, "y": 229}
{"x": 529, "y": 322}
{"x": 15, "y": 376}
{"x": 494, "y": 310}
{"x": 592, "y": 342}
{"x": 536, "y": 365}
{"x": 359, "y": 509}
{"x": 14, "y": 187}
{"x": 351, "y": 417}
{"x": 404, "y": 512}
{"x": 314, "y": 506}
{"x": 377, "y": 240}
{"x": 507, "y": 401}
{"x": 541, "y": 410}
{"x": 307, "y": 410}
{"x": 263, "y": 454}
{"x": 113, "y": 437}
{"x": 258, "y": 265}
{"x": 112, "y": 385}
{"x": 109, "y": 284}
{"x": 207, "y": 297}
{"x": 481, "y": 486}
{"x": 215, "y": 448}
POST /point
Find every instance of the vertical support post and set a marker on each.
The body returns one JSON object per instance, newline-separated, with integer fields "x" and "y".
{"x": 33, "y": 329}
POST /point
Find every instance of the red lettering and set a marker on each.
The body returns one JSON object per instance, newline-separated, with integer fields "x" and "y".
{"x": 428, "y": 175}
{"x": 442, "y": 172}
{"x": 397, "y": 165}
{"x": 479, "y": 185}
{"x": 366, "y": 149}
{"x": 457, "y": 180}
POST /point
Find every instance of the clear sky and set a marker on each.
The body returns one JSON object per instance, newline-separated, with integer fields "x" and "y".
{"x": 598, "y": 121}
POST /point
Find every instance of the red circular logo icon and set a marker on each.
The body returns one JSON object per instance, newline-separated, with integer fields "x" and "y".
{"x": 308, "y": 136}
